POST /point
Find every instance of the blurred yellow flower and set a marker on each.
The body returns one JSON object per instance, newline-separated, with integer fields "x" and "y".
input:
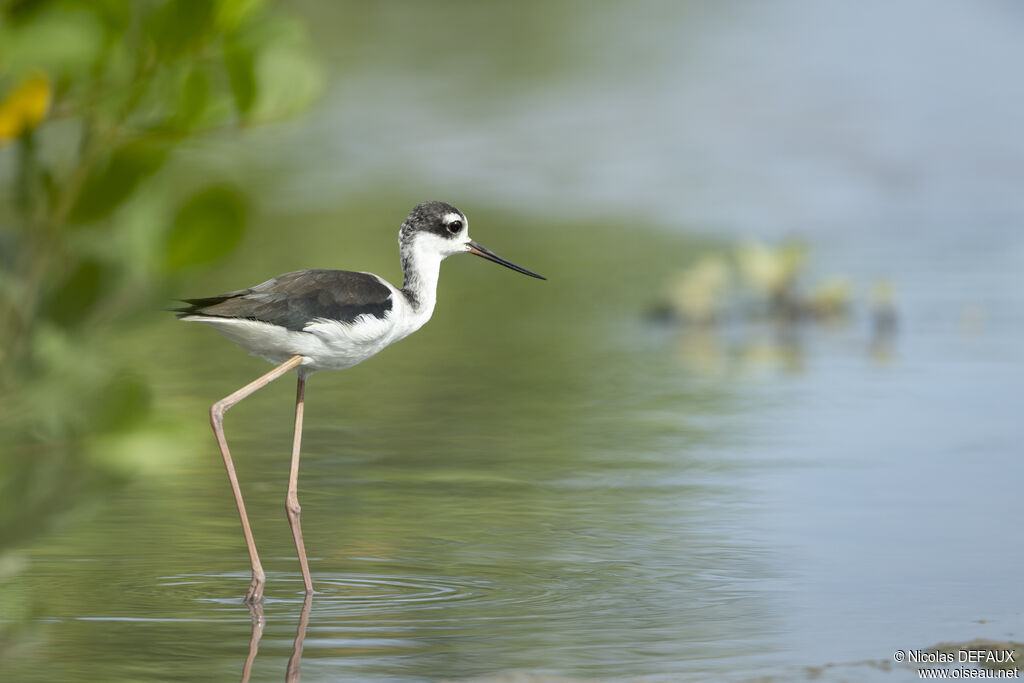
{"x": 25, "y": 106}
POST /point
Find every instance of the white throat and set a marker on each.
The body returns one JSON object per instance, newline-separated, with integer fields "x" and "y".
{"x": 421, "y": 266}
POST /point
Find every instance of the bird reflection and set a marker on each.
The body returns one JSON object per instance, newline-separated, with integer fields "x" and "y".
{"x": 258, "y": 621}
{"x": 294, "y": 670}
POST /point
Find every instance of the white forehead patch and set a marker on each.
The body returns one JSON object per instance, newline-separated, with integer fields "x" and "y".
{"x": 449, "y": 217}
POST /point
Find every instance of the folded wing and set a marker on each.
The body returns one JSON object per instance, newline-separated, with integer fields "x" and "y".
{"x": 294, "y": 300}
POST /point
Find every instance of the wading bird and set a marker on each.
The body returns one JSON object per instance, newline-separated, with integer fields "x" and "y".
{"x": 329, "y": 320}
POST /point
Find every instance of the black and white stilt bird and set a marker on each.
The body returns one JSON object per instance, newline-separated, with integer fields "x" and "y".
{"x": 330, "y": 320}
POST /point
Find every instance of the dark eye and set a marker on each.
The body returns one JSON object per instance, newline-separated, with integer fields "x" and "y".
{"x": 454, "y": 227}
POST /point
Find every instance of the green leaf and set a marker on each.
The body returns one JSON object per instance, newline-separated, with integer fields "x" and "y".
{"x": 113, "y": 180}
{"x": 61, "y": 40}
{"x": 195, "y": 93}
{"x": 240, "y": 63}
{"x": 115, "y": 15}
{"x": 206, "y": 228}
{"x": 181, "y": 25}
{"x": 232, "y": 13}
{"x": 76, "y": 297}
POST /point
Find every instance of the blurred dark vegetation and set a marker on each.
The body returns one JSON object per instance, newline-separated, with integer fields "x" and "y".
{"x": 96, "y": 98}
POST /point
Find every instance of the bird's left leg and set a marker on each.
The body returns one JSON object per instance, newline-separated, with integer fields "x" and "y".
{"x": 291, "y": 503}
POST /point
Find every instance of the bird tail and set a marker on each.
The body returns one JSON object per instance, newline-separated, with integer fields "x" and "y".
{"x": 196, "y": 306}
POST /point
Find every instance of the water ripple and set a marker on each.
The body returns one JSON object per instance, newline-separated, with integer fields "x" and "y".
{"x": 361, "y": 593}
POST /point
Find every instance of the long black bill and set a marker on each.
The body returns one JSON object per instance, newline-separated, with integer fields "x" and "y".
{"x": 479, "y": 250}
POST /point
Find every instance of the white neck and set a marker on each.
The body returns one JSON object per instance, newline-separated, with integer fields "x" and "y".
{"x": 421, "y": 267}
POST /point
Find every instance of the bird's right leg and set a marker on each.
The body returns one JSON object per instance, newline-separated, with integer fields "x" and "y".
{"x": 217, "y": 411}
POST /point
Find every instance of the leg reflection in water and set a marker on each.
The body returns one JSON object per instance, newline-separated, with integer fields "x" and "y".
{"x": 258, "y": 621}
{"x": 294, "y": 670}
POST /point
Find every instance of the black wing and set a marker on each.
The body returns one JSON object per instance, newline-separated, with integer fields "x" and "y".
{"x": 294, "y": 300}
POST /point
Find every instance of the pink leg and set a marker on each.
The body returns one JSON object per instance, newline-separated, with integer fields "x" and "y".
{"x": 291, "y": 503}
{"x": 217, "y": 411}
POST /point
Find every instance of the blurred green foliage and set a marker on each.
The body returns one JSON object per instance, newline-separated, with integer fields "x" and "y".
{"x": 217, "y": 209}
{"x": 96, "y": 96}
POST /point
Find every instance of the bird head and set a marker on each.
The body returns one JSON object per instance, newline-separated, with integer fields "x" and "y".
{"x": 438, "y": 230}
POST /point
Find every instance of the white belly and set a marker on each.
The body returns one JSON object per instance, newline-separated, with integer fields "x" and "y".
{"x": 324, "y": 344}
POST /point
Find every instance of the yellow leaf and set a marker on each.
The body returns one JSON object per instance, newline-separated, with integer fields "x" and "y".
{"x": 25, "y": 106}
